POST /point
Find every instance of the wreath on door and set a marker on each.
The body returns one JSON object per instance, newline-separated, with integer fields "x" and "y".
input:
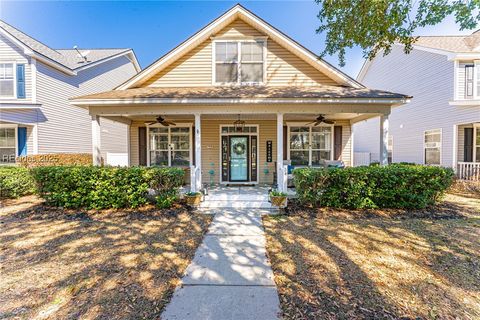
{"x": 239, "y": 148}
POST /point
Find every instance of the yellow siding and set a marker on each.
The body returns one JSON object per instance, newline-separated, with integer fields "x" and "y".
{"x": 194, "y": 69}
{"x": 211, "y": 146}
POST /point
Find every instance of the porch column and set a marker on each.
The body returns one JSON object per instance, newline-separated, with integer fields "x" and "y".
{"x": 197, "y": 184}
{"x": 280, "y": 175}
{"x": 383, "y": 140}
{"x": 455, "y": 146}
{"x": 96, "y": 143}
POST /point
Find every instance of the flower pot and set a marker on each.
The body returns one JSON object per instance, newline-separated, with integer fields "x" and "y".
{"x": 193, "y": 200}
{"x": 279, "y": 201}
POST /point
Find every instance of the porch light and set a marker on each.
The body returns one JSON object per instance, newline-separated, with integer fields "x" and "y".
{"x": 239, "y": 125}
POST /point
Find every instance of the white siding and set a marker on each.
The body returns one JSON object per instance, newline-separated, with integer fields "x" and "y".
{"x": 68, "y": 128}
{"x": 9, "y": 52}
{"x": 429, "y": 78}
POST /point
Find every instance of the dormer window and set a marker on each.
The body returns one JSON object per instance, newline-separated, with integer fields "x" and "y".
{"x": 239, "y": 62}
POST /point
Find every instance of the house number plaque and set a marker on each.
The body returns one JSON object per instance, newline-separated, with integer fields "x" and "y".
{"x": 269, "y": 150}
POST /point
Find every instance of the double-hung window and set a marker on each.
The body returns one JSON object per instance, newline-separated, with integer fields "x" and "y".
{"x": 8, "y": 144}
{"x": 7, "y": 80}
{"x": 309, "y": 146}
{"x": 170, "y": 146}
{"x": 433, "y": 147}
{"x": 239, "y": 62}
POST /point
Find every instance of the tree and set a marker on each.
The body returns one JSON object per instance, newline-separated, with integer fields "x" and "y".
{"x": 375, "y": 25}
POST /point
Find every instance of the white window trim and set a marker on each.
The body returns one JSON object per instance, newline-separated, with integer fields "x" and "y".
{"x": 441, "y": 144}
{"x": 9, "y": 126}
{"x": 239, "y": 62}
{"x": 476, "y": 129}
{"x": 302, "y": 124}
{"x": 257, "y": 134}
{"x": 14, "y": 81}
{"x": 178, "y": 125}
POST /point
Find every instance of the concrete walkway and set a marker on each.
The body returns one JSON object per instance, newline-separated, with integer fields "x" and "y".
{"x": 230, "y": 276}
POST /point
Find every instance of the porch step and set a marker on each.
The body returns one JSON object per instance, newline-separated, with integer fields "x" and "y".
{"x": 236, "y": 197}
{"x": 242, "y": 204}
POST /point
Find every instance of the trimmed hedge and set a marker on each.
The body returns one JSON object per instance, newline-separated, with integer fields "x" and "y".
{"x": 55, "y": 159}
{"x": 393, "y": 186}
{"x": 95, "y": 187}
{"x": 15, "y": 182}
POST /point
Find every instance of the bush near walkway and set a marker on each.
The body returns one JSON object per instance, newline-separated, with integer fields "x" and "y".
{"x": 15, "y": 182}
{"x": 103, "y": 187}
{"x": 393, "y": 186}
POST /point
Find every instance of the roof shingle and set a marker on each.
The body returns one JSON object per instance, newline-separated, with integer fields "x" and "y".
{"x": 245, "y": 92}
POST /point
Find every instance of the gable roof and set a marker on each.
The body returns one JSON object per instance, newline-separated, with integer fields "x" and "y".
{"x": 239, "y": 12}
{"x": 457, "y": 44}
{"x": 67, "y": 60}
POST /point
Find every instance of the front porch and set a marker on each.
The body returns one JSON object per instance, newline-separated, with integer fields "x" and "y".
{"x": 466, "y": 161}
{"x": 259, "y": 152}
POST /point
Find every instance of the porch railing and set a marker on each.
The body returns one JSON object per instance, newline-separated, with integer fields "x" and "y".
{"x": 468, "y": 170}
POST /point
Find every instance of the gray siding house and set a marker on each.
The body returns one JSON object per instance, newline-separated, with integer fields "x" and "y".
{"x": 441, "y": 124}
{"x": 36, "y": 83}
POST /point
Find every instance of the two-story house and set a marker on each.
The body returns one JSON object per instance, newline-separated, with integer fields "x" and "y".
{"x": 233, "y": 100}
{"x": 441, "y": 125}
{"x": 36, "y": 82}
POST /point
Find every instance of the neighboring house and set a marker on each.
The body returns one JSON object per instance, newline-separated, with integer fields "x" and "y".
{"x": 441, "y": 125}
{"x": 36, "y": 82}
{"x": 241, "y": 94}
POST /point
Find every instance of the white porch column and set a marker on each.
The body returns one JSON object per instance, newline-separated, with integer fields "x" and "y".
{"x": 197, "y": 185}
{"x": 455, "y": 147}
{"x": 280, "y": 175}
{"x": 96, "y": 143}
{"x": 383, "y": 140}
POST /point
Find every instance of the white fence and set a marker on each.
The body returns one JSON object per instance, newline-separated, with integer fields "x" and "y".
{"x": 361, "y": 159}
{"x": 468, "y": 170}
{"x": 117, "y": 159}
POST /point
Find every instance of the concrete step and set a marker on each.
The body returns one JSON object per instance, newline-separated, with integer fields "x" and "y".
{"x": 236, "y": 197}
{"x": 235, "y": 204}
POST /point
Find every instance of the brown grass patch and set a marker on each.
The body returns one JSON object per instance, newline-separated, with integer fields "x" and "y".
{"x": 375, "y": 267}
{"x": 125, "y": 264}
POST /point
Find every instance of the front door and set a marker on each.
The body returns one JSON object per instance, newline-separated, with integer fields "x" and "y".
{"x": 239, "y": 158}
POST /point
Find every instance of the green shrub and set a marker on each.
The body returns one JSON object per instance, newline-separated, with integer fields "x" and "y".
{"x": 103, "y": 187}
{"x": 393, "y": 186}
{"x": 15, "y": 182}
{"x": 166, "y": 199}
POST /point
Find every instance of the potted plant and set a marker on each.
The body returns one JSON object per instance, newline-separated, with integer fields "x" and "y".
{"x": 278, "y": 199}
{"x": 193, "y": 198}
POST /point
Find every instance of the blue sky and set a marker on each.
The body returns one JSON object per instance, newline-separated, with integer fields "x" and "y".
{"x": 153, "y": 28}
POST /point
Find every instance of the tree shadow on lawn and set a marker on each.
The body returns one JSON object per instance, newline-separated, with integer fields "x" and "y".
{"x": 70, "y": 265}
{"x": 375, "y": 268}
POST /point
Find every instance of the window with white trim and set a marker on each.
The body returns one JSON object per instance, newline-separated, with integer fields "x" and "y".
{"x": 7, "y": 80}
{"x": 170, "y": 146}
{"x": 310, "y": 146}
{"x": 433, "y": 147}
{"x": 390, "y": 148}
{"x": 239, "y": 62}
{"x": 8, "y": 142}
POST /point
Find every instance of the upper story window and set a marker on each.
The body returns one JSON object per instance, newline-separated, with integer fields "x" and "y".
{"x": 7, "y": 80}
{"x": 239, "y": 62}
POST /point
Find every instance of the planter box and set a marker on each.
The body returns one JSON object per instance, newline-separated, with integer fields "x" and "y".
{"x": 279, "y": 201}
{"x": 193, "y": 200}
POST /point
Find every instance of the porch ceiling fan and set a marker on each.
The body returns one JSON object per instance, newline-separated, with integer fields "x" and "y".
{"x": 162, "y": 121}
{"x": 320, "y": 119}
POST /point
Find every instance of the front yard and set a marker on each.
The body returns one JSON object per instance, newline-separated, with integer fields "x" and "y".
{"x": 57, "y": 264}
{"x": 334, "y": 264}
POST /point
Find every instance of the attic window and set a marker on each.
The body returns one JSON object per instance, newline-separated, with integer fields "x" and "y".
{"x": 239, "y": 62}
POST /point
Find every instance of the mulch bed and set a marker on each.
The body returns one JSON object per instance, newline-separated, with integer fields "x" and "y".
{"x": 378, "y": 264}
{"x": 109, "y": 264}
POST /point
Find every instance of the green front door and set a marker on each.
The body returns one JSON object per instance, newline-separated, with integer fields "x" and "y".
{"x": 239, "y": 158}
